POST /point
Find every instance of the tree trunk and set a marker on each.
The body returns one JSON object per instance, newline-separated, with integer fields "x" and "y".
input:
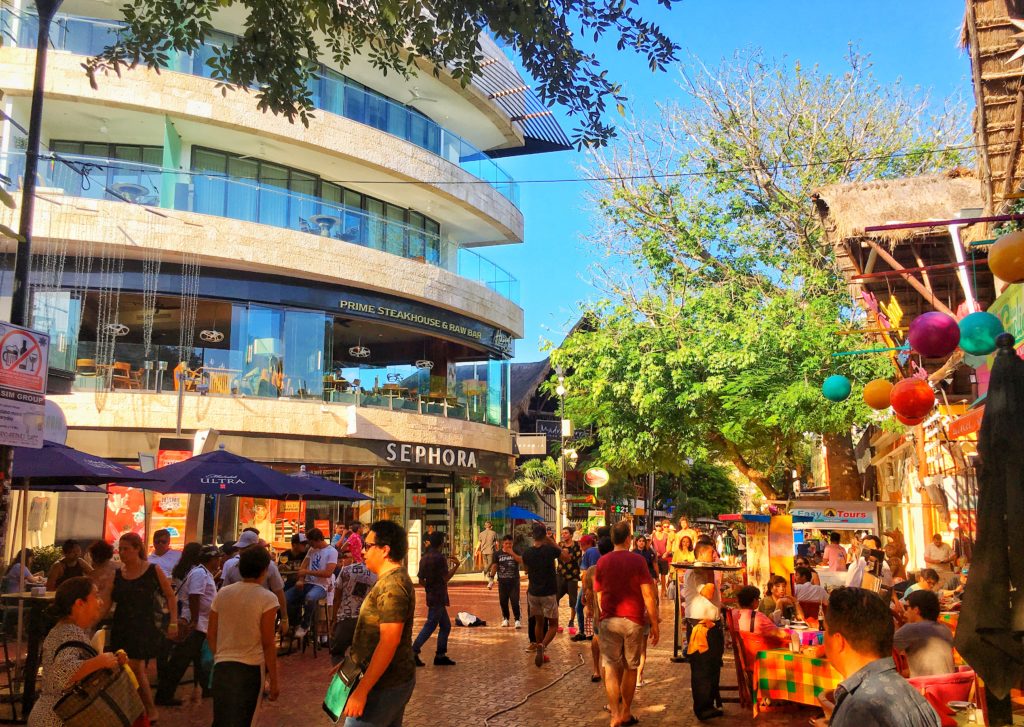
{"x": 844, "y": 480}
{"x": 758, "y": 478}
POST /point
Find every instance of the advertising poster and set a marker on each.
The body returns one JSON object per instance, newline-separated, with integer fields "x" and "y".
{"x": 169, "y": 513}
{"x": 780, "y": 545}
{"x": 758, "y": 563}
{"x": 259, "y": 513}
{"x": 126, "y": 513}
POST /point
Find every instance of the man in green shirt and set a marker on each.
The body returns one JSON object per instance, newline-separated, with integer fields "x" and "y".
{"x": 382, "y": 644}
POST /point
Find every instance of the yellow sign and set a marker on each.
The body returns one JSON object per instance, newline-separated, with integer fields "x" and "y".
{"x": 893, "y": 311}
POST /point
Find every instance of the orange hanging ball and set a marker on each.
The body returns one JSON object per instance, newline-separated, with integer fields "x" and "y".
{"x": 876, "y": 393}
{"x": 912, "y": 398}
{"x": 1006, "y": 257}
{"x": 909, "y": 421}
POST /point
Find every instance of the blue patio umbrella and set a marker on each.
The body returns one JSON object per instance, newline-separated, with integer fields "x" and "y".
{"x": 57, "y": 467}
{"x": 311, "y": 487}
{"x": 221, "y": 473}
{"x": 515, "y": 512}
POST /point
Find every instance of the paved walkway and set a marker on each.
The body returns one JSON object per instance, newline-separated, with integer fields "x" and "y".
{"x": 494, "y": 673}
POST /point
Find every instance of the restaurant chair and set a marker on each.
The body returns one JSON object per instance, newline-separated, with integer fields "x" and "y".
{"x": 810, "y": 609}
{"x": 744, "y": 675}
{"x": 956, "y": 687}
{"x": 121, "y": 376}
{"x": 86, "y": 367}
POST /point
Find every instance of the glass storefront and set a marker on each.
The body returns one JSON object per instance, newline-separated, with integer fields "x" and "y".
{"x": 267, "y": 351}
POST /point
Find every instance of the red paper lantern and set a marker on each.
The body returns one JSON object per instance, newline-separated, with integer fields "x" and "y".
{"x": 912, "y": 398}
{"x": 908, "y": 421}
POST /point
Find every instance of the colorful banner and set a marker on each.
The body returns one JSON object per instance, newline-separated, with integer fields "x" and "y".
{"x": 126, "y": 513}
{"x": 780, "y": 545}
{"x": 836, "y": 515}
{"x": 758, "y": 561}
{"x": 170, "y": 513}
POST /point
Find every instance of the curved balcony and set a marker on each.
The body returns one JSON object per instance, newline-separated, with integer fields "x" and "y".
{"x": 332, "y": 92}
{"x": 247, "y": 200}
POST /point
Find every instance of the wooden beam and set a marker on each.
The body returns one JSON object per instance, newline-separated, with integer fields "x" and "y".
{"x": 941, "y": 266}
{"x": 1011, "y": 165}
{"x": 974, "y": 48}
{"x": 923, "y": 267}
{"x": 872, "y": 259}
{"x": 943, "y": 223}
{"x": 914, "y": 282}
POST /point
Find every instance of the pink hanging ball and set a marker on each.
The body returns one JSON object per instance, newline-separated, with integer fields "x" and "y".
{"x": 934, "y": 334}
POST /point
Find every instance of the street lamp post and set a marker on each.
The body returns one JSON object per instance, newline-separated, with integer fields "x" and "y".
{"x": 560, "y": 390}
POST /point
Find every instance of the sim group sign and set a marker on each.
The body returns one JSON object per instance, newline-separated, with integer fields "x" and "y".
{"x": 836, "y": 515}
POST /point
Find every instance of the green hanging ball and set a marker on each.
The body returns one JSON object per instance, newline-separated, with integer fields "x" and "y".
{"x": 978, "y": 333}
{"x": 836, "y": 388}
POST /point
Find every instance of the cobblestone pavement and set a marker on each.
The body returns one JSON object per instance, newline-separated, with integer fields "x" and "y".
{"x": 495, "y": 673}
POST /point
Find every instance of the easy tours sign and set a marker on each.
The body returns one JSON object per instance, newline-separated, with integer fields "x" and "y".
{"x": 835, "y": 514}
{"x": 24, "y": 356}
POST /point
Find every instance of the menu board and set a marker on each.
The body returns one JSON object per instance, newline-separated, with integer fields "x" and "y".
{"x": 169, "y": 513}
{"x": 125, "y": 513}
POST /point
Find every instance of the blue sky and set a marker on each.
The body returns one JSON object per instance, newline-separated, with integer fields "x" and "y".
{"x": 912, "y": 40}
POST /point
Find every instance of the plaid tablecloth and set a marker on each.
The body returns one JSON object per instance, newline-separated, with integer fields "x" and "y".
{"x": 950, "y": 618}
{"x": 794, "y": 677}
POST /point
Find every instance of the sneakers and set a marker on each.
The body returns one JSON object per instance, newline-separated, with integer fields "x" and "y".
{"x": 504, "y": 623}
{"x": 418, "y": 660}
{"x": 531, "y": 647}
{"x": 518, "y": 625}
{"x": 300, "y": 632}
{"x": 490, "y": 584}
{"x": 443, "y": 660}
{"x": 538, "y": 656}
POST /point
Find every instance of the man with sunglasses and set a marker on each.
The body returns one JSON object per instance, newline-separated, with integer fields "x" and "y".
{"x": 382, "y": 644}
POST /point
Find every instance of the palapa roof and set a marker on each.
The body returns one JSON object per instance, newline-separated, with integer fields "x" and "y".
{"x": 846, "y": 209}
{"x": 524, "y": 380}
{"x": 999, "y": 96}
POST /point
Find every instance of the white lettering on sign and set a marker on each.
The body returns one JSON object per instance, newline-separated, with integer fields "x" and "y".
{"x": 431, "y": 455}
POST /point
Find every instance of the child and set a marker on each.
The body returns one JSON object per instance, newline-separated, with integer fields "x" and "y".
{"x": 506, "y": 566}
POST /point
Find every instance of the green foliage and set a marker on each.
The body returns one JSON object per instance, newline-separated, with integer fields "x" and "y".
{"x": 723, "y": 300}
{"x": 702, "y": 489}
{"x": 279, "y": 49}
{"x": 535, "y": 475}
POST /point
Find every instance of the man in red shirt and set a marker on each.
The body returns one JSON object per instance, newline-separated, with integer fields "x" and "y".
{"x": 627, "y": 599}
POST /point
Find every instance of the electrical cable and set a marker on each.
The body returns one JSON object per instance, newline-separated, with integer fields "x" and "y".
{"x": 523, "y": 701}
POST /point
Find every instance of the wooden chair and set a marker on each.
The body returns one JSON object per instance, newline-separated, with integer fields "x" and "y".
{"x": 121, "y": 376}
{"x": 744, "y": 676}
{"x": 86, "y": 367}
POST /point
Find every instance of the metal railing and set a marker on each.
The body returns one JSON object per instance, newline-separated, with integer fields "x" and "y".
{"x": 248, "y": 200}
{"x": 332, "y": 92}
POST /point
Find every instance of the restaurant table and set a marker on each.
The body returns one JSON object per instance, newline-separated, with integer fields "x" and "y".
{"x": 35, "y": 628}
{"x": 808, "y": 637}
{"x": 781, "y": 674}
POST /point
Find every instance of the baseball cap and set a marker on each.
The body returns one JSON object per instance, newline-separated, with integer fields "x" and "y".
{"x": 299, "y": 538}
{"x": 247, "y": 539}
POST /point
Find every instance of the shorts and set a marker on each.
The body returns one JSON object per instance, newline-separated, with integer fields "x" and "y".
{"x": 622, "y": 642}
{"x": 546, "y": 606}
{"x": 662, "y": 567}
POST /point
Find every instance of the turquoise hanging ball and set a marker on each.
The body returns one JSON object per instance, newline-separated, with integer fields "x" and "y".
{"x": 836, "y": 388}
{"x": 978, "y": 333}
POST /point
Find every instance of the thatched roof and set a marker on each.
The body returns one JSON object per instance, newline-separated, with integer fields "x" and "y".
{"x": 999, "y": 96}
{"x": 846, "y": 209}
{"x": 524, "y": 379}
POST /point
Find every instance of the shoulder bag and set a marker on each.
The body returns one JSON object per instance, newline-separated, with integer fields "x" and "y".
{"x": 107, "y": 697}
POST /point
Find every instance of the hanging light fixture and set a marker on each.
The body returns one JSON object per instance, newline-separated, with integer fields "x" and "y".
{"x": 424, "y": 364}
{"x": 210, "y": 335}
{"x": 118, "y": 329}
{"x": 359, "y": 350}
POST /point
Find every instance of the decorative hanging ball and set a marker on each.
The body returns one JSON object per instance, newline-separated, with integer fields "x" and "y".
{"x": 876, "y": 393}
{"x": 1006, "y": 257}
{"x": 978, "y": 333}
{"x": 934, "y": 334}
{"x": 910, "y": 422}
{"x": 836, "y": 388}
{"x": 912, "y": 398}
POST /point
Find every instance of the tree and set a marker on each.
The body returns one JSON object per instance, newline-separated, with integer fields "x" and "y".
{"x": 537, "y": 479}
{"x": 703, "y": 489}
{"x": 279, "y": 49}
{"x": 722, "y": 301}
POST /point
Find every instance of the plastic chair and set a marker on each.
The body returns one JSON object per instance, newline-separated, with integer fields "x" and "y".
{"x": 955, "y": 687}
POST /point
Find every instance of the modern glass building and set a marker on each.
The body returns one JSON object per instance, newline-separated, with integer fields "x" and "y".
{"x": 316, "y": 295}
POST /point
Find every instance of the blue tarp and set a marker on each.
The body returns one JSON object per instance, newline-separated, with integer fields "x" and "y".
{"x": 515, "y": 513}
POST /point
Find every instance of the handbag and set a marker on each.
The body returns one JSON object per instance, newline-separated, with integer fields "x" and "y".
{"x": 341, "y": 687}
{"x": 105, "y": 697}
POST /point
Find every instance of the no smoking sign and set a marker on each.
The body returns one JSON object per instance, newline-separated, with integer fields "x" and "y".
{"x": 23, "y": 359}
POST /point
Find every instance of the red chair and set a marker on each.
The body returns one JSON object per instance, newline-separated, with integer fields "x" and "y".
{"x": 956, "y": 687}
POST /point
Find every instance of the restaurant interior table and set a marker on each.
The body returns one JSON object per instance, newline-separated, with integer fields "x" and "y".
{"x": 780, "y": 674}
{"x": 36, "y": 623}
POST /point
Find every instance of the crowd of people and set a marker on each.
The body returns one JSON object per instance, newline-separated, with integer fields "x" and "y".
{"x": 224, "y": 611}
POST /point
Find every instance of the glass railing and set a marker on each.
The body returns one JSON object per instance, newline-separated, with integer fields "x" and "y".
{"x": 249, "y": 200}
{"x": 332, "y": 92}
{"x": 132, "y": 368}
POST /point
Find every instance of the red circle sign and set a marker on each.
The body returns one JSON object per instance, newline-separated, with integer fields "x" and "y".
{"x": 596, "y": 477}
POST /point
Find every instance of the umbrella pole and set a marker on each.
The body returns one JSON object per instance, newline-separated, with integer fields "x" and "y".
{"x": 216, "y": 519}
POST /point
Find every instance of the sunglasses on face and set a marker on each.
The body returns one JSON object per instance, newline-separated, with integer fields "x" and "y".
{"x": 367, "y": 546}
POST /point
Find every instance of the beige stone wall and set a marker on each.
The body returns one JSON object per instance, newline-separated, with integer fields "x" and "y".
{"x": 197, "y": 99}
{"x": 121, "y": 228}
{"x": 115, "y": 422}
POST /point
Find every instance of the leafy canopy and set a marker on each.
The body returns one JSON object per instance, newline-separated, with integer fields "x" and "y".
{"x": 282, "y": 39}
{"x": 723, "y": 300}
